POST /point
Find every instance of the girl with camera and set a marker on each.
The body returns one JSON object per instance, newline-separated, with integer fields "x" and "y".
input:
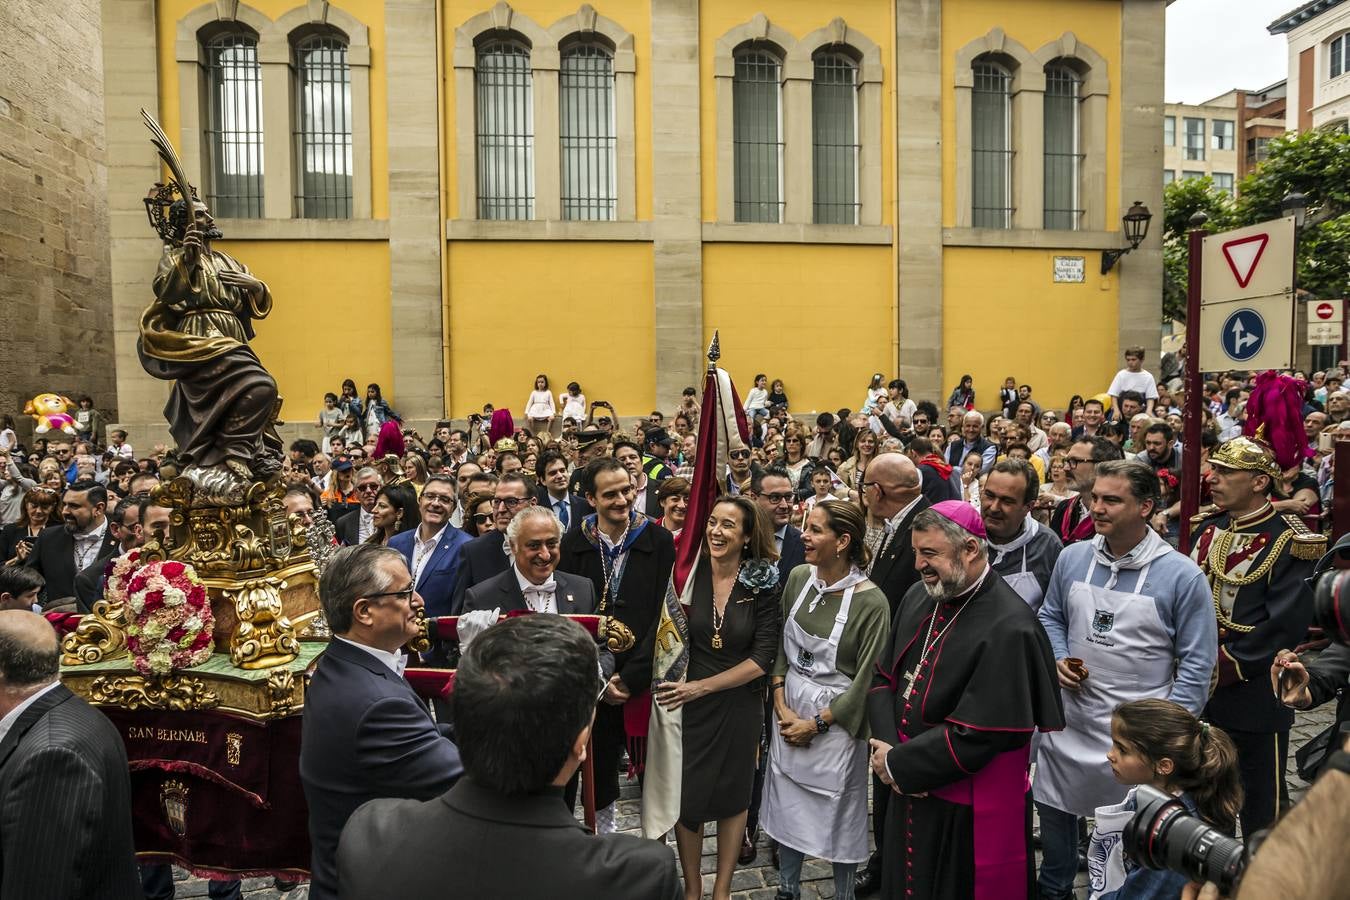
{"x": 1160, "y": 744}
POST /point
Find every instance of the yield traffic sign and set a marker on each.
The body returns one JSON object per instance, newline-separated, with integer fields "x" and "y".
{"x": 1256, "y": 261}
{"x": 1243, "y": 255}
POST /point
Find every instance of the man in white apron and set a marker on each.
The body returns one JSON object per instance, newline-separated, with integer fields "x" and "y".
{"x": 1020, "y": 549}
{"x": 1136, "y": 617}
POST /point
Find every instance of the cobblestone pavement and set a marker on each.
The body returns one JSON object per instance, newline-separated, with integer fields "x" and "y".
{"x": 758, "y": 880}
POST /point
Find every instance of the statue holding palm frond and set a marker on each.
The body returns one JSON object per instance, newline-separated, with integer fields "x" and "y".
{"x": 223, "y": 405}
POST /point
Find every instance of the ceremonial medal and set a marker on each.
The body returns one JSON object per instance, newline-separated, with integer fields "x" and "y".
{"x": 717, "y": 642}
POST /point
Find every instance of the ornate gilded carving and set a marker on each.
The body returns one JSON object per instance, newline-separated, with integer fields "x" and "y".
{"x": 281, "y": 691}
{"x": 422, "y": 642}
{"x": 234, "y": 743}
{"x": 175, "y": 692}
{"x": 618, "y": 636}
{"x": 99, "y": 636}
{"x": 264, "y": 637}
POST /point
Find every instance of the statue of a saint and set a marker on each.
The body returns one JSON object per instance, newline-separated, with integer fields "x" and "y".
{"x": 223, "y": 405}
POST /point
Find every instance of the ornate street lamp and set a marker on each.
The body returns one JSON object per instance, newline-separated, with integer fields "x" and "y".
{"x": 1136, "y": 221}
{"x": 1296, "y": 205}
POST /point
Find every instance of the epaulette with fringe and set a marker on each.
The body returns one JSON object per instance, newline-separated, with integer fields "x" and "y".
{"x": 1307, "y": 544}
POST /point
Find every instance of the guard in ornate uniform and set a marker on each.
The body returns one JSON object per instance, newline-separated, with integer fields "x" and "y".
{"x": 1257, "y": 560}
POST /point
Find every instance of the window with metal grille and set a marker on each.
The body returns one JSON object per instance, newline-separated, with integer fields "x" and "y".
{"x": 586, "y": 125}
{"x": 834, "y": 140}
{"x": 757, "y": 135}
{"x": 991, "y": 146}
{"x": 1063, "y": 161}
{"x": 323, "y": 129}
{"x": 1224, "y": 134}
{"x": 234, "y": 137}
{"x": 1195, "y": 138}
{"x": 504, "y": 126}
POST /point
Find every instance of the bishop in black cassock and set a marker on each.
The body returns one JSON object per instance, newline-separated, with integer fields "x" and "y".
{"x": 956, "y": 697}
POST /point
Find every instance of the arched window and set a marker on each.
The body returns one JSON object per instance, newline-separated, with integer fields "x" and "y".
{"x": 234, "y": 135}
{"x": 757, "y": 127}
{"x": 991, "y": 145}
{"x": 323, "y": 128}
{"x": 504, "y": 129}
{"x": 586, "y": 129}
{"x": 1063, "y": 153}
{"x": 834, "y": 139}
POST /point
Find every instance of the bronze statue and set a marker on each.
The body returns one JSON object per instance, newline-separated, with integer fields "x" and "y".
{"x": 223, "y": 405}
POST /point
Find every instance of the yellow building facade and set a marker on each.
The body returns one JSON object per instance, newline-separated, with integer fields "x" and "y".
{"x": 495, "y": 191}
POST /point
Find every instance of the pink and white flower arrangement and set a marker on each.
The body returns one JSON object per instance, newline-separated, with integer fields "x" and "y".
{"x": 170, "y": 618}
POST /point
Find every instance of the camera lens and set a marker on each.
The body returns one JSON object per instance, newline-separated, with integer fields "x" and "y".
{"x": 1162, "y": 835}
{"x": 1329, "y": 612}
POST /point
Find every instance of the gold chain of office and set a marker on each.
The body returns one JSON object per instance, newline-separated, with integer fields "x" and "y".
{"x": 1218, "y": 559}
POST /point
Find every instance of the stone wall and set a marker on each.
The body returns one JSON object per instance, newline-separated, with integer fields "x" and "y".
{"x": 56, "y": 321}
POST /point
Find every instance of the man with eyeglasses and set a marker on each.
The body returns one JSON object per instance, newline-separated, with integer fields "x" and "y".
{"x": 488, "y": 555}
{"x": 771, "y": 488}
{"x": 355, "y": 527}
{"x": 1071, "y": 521}
{"x": 366, "y": 734}
{"x": 432, "y": 549}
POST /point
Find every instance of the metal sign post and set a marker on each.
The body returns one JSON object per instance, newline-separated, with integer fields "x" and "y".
{"x": 1192, "y": 417}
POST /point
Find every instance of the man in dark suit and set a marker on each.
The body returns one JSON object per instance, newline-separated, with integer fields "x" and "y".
{"x": 771, "y": 488}
{"x": 532, "y": 582}
{"x": 62, "y": 551}
{"x": 551, "y": 475}
{"x": 366, "y": 734}
{"x": 355, "y": 527}
{"x": 524, "y": 702}
{"x": 894, "y": 492}
{"x": 629, "y": 568}
{"x": 432, "y": 549}
{"x": 133, "y": 522}
{"x": 485, "y": 556}
{"x": 65, "y": 791}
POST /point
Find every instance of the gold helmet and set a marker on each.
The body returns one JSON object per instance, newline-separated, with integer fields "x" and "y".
{"x": 1246, "y": 455}
{"x": 506, "y": 445}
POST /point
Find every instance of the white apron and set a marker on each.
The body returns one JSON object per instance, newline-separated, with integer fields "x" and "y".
{"x": 1106, "y": 853}
{"x": 815, "y": 798}
{"x": 1129, "y": 656}
{"x": 1026, "y": 585}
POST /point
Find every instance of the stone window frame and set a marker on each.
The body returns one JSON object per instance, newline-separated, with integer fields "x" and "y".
{"x": 1028, "y": 125}
{"x": 798, "y": 75}
{"x": 545, "y": 61}
{"x": 275, "y": 56}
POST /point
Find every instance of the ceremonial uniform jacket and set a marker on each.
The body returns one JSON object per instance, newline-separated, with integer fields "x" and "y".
{"x": 1257, "y": 566}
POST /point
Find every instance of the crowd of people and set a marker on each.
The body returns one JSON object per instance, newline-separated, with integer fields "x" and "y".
{"x": 946, "y": 616}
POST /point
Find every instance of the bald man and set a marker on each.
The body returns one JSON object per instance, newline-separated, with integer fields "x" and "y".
{"x": 893, "y": 491}
{"x": 65, "y": 793}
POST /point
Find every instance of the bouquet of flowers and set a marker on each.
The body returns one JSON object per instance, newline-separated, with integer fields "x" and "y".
{"x": 116, "y": 573}
{"x": 170, "y": 617}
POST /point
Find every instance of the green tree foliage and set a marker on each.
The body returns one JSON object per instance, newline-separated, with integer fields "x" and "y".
{"x": 1316, "y": 164}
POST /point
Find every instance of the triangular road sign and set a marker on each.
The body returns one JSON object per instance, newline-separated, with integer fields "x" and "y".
{"x": 1243, "y": 255}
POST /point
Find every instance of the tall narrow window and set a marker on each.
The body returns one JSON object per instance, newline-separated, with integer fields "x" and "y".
{"x": 586, "y": 124}
{"x": 757, "y": 135}
{"x": 1338, "y": 57}
{"x": 504, "y": 130}
{"x": 323, "y": 128}
{"x": 1195, "y": 138}
{"x": 834, "y": 139}
{"x": 1063, "y": 160}
{"x": 234, "y": 136}
{"x": 1170, "y": 131}
{"x": 991, "y": 146}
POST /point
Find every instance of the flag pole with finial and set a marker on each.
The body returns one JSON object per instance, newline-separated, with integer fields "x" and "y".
{"x": 714, "y": 352}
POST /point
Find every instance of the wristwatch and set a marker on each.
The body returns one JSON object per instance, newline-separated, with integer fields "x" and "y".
{"x": 821, "y": 725}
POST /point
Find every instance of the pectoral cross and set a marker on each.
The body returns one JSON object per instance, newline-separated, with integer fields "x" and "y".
{"x": 909, "y": 682}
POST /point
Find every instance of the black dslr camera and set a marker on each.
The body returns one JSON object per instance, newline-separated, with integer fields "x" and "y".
{"x": 1163, "y": 835}
{"x": 1331, "y": 589}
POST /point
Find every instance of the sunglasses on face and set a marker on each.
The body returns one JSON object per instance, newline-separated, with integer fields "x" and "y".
{"x": 740, "y": 454}
{"x": 482, "y": 518}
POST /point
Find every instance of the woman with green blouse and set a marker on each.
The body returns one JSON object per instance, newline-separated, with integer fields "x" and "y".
{"x": 836, "y": 623}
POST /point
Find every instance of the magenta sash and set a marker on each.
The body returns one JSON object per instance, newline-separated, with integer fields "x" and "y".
{"x": 997, "y": 794}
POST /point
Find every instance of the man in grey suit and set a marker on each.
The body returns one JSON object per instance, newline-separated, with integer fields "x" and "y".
{"x": 524, "y": 701}
{"x": 65, "y": 791}
{"x": 365, "y": 733}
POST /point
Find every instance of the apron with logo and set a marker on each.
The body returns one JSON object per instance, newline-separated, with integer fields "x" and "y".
{"x": 1026, "y": 585}
{"x": 1129, "y": 656}
{"x": 815, "y": 798}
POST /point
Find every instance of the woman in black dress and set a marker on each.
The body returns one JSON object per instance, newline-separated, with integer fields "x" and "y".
{"x": 733, "y": 639}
